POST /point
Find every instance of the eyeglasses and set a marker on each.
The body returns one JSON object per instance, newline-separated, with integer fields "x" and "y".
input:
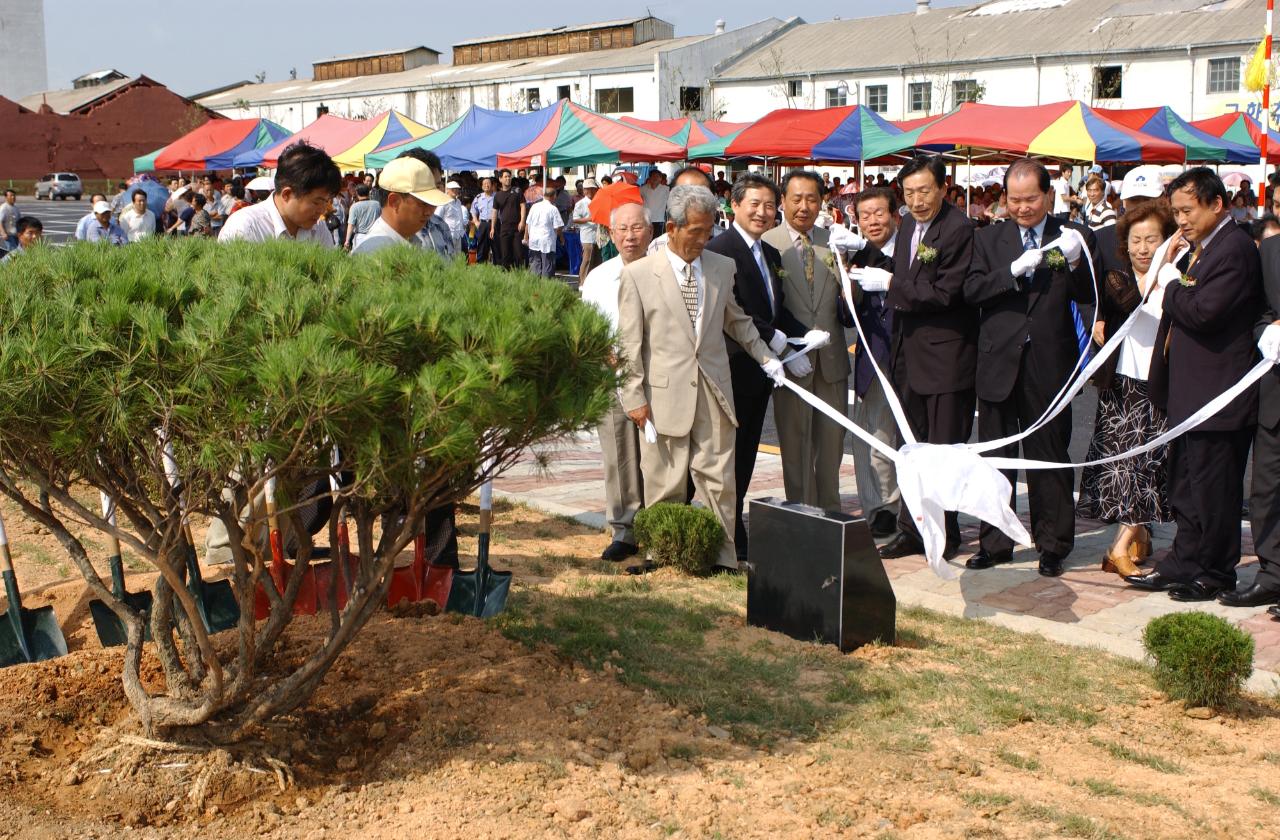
{"x": 621, "y": 231}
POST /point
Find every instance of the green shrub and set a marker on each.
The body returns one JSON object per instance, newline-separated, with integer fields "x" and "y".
{"x": 1200, "y": 659}
{"x": 683, "y": 536}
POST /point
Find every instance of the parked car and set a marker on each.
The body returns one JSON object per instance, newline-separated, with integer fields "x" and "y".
{"x": 59, "y": 185}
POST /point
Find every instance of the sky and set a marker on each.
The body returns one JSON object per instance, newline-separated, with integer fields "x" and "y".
{"x": 194, "y": 47}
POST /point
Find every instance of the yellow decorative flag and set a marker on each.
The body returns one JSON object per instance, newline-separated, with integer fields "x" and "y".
{"x": 1257, "y": 75}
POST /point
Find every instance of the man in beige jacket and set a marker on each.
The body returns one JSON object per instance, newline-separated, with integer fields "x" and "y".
{"x": 674, "y": 309}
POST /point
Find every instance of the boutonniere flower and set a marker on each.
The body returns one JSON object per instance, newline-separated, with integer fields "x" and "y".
{"x": 926, "y": 255}
{"x": 1055, "y": 260}
{"x": 781, "y": 273}
{"x": 829, "y": 260}
{"x": 1187, "y": 280}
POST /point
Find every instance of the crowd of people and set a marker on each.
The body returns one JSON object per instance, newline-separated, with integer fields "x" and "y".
{"x": 964, "y": 312}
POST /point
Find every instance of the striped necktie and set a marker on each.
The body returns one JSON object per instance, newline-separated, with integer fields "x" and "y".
{"x": 689, "y": 291}
{"x": 806, "y": 255}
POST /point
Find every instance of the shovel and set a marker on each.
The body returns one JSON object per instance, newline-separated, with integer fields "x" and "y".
{"x": 215, "y": 600}
{"x": 110, "y": 628}
{"x": 483, "y": 592}
{"x": 25, "y": 635}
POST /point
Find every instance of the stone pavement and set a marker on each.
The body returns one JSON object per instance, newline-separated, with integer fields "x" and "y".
{"x": 1084, "y": 607}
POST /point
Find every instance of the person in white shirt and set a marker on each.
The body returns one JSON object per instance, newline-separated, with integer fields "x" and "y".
{"x": 82, "y": 226}
{"x": 586, "y": 229}
{"x": 9, "y": 214}
{"x": 137, "y": 221}
{"x": 306, "y": 182}
{"x": 412, "y": 193}
{"x": 630, "y": 231}
{"x": 1062, "y": 193}
{"x": 654, "y": 193}
{"x": 454, "y": 215}
{"x": 542, "y": 230}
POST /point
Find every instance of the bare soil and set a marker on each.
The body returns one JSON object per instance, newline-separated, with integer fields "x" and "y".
{"x": 554, "y": 722}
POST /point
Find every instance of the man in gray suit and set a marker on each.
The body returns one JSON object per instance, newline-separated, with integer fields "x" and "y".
{"x": 674, "y": 309}
{"x": 812, "y": 444}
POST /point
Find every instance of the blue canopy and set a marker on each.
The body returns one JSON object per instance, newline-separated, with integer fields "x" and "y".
{"x": 474, "y": 140}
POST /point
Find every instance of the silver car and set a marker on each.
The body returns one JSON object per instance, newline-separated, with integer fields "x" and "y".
{"x": 59, "y": 185}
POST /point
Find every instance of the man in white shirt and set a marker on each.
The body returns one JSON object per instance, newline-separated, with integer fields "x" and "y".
{"x": 412, "y": 192}
{"x": 9, "y": 220}
{"x": 619, "y": 438}
{"x": 654, "y": 193}
{"x": 306, "y": 182}
{"x": 137, "y": 221}
{"x": 543, "y": 229}
{"x": 1062, "y": 193}
{"x": 454, "y": 215}
{"x": 586, "y": 229}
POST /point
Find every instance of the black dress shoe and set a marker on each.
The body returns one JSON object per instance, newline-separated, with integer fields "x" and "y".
{"x": 1195, "y": 592}
{"x": 1274, "y": 611}
{"x": 618, "y": 550}
{"x": 903, "y": 545}
{"x": 950, "y": 550}
{"x": 1050, "y": 564}
{"x": 1255, "y": 596}
{"x": 884, "y": 524}
{"x": 641, "y": 568}
{"x": 985, "y": 559}
{"x": 1153, "y": 582}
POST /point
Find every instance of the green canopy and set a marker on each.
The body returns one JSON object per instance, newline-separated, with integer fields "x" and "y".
{"x": 147, "y": 163}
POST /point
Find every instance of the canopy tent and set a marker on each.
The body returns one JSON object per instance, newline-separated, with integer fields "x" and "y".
{"x": 218, "y": 143}
{"x": 474, "y": 140}
{"x": 687, "y": 132}
{"x": 827, "y": 135}
{"x": 1068, "y": 131}
{"x": 577, "y": 136}
{"x": 389, "y": 129}
{"x": 146, "y": 163}
{"x": 1242, "y": 129}
{"x": 1201, "y": 146}
{"x": 333, "y": 134}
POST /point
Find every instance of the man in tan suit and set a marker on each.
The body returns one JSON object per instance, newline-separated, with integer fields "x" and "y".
{"x": 812, "y": 444}
{"x": 674, "y": 309}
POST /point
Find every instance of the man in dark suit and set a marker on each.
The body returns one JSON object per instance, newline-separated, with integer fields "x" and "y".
{"x": 1028, "y": 347}
{"x": 1264, "y": 495}
{"x": 935, "y": 331}
{"x": 759, "y": 293}
{"x": 1205, "y": 344}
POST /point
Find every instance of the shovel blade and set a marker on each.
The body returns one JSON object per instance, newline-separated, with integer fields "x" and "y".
{"x": 41, "y": 637}
{"x": 111, "y": 632}
{"x": 479, "y": 593}
{"x": 438, "y": 584}
{"x": 221, "y": 608}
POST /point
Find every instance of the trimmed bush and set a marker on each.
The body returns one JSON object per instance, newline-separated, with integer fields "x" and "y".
{"x": 683, "y": 536}
{"x": 1200, "y": 659}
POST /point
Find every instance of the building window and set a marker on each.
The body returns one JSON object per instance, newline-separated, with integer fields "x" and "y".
{"x": 878, "y": 98}
{"x": 837, "y": 97}
{"x": 615, "y": 100}
{"x": 532, "y": 99}
{"x": 920, "y": 96}
{"x": 1108, "y": 82}
{"x": 562, "y": 92}
{"x": 795, "y": 87}
{"x": 1224, "y": 75}
{"x": 964, "y": 90}
{"x": 690, "y": 99}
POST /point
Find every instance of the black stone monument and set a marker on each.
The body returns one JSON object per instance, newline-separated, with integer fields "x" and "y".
{"x": 816, "y": 574}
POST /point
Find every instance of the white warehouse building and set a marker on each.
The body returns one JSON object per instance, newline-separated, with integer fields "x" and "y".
{"x": 1187, "y": 54}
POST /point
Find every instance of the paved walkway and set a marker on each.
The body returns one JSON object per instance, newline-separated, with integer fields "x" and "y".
{"x": 1085, "y": 606}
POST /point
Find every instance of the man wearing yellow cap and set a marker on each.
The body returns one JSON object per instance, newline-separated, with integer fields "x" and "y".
{"x": 412, "y": 196}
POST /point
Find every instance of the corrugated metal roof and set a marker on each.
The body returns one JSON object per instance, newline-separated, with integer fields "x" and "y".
{"x": 67, "y": 101}
{"x": 375, "y": 54}
{"x": 451, "y": 75}
{"x": 990, "y": 32}
{"x": 555, "y": 30}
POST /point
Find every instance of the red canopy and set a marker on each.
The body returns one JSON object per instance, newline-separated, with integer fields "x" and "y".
{"x": 333, "y": 134}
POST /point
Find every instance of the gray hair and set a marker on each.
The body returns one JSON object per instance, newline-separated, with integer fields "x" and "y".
{"x": 684, "y": 198}
{"x": 613, "y": 214}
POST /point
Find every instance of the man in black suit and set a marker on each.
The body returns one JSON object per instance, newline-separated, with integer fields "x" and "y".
{"x": 1205, "y": 344}
{"x": 756, "y": 287}
{"x": 1264, "y": 495}
{"x": 1028, "y": 347}
{"x": 935, "y": 331}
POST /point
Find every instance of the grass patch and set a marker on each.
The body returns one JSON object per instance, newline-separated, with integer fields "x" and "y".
{"x": 987, "y": 800}
{"x": 1022, "y": 762}
{"x": 1068, "y": 824}
{"x": 1101, "y": 787}
{"x": 1123, "y": 752}
{"x": 30, "y": 551}
{"x": 1264, "y": 796}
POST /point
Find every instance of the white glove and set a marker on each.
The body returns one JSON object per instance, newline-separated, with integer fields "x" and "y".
{"x": 650, "y": 432}
{"x": 1072, "y": 243}
{"x": 800, "y": 367}
{"x": 845, "y": 240}
{"x": 778, "y": 343}
{"x": 817, "y": 338}
{"x": 872, "y": 279}
{"x": 1027, "y": 263}
{"x": 773, "y": 369}
{"x": 1269, "y": 344}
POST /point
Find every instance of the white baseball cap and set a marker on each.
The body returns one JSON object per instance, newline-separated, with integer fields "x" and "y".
{"x": 411, "y": 176}
{"x": 453, "y": 185}
{"x": 101, "y": 207}
{"x": 1142, "y": 182}
{"x": 590, "y": 184}
{"x": 262, "y": 183}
